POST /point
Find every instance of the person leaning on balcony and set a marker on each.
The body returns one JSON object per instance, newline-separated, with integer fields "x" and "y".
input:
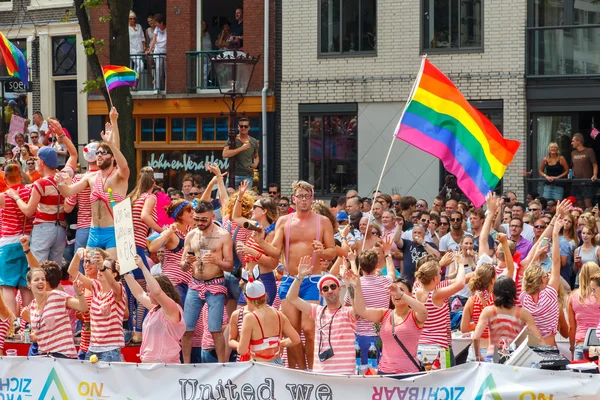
{"x": 554, "y": 166}
{"x": 159, "y": 48}
{"x": 137, "y": 43}
{"x": 225, "y": 36}
{"x": 585, "y": 166}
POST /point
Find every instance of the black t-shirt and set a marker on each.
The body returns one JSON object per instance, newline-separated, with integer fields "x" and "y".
{"x": 412, "y": 253}
{"x": 476, "y": 243}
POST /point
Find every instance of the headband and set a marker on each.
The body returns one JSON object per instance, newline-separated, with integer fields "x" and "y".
{"x": 174, "y": 213}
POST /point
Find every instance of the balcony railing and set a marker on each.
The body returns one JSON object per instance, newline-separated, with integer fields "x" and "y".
{"x": 151, "y": 71}
{"x": 563, "y": 51}
{"x": 199, "y": 73}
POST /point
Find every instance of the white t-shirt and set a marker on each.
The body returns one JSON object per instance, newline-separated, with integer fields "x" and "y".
{"x": 447, "y": 243}
{"x": 136, "y": 40}
{"x": 161, "y": 41}
{"x": 34, "y": 128}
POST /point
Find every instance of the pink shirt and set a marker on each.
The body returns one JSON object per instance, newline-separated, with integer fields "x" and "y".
{"x": 587, "y": 314}
{"x": 393, "y": 359}
{"x": 162, "y": 337}
{"x": 343, "y": 327}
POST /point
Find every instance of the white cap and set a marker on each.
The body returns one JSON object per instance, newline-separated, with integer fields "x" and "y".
{"x": 89, "y": 152}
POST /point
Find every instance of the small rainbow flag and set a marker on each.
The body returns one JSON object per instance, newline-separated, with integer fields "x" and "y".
{"x": 440, "y": 121}
{"x": 15, "y": 61}
{"x": 116, "y": 76}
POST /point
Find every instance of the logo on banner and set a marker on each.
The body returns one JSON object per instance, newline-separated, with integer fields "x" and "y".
{"x": 53, "y": 388}
{"x": 488, "y": 385}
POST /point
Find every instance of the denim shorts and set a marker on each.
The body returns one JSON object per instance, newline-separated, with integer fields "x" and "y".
{"x": 106, "y": 356}
{"x": 308, "y": 290}
{"x": 209, "y": 356}
{"x": 578, "y": 353}
{"x": 193, "y": 306}
{"x": 102, "y": 238}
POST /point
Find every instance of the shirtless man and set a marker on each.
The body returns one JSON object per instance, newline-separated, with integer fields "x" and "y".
{"x": 300, "y": 234}
{"x": 209, "y": 251}
{"x": 109, "y": 175}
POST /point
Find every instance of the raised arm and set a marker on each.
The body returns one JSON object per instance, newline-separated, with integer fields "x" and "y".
{"x": 456, "y": 286}
{"x": 169, "y": 306}
{"x": 508, "y": 258}
{"x": 358, "y": 302}
{"x": 31, "y": 260}
{"x": 57, "y": 130}
{"x": 223, "y": 195}
{"x": 493, "y": 204}
{"x": 162, "y": 239}
{"x": 146, "y": 214}
{"x": 554, "y": 280}
{"x": 78, "y": 302}
{"x": 111, "y": 137}
{"x": 237, "y": 208}
{"x": 72, "y": 189}
{"x": 73, "y": 270}
{"x": 107, "y": 273}
{"x": 304, "y": 269}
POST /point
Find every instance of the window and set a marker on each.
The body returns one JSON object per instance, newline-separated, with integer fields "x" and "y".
{"x": 329, "y": 147}
{"x": 6, "y": 5}
{"x": 64, "y": 55}
{"x": 347, "y": 27}
{"x": 154, "y": 130}
{"x": 184, "y": 129}
{"x": 452, "y": 24}
{"x": 46, "y": 4}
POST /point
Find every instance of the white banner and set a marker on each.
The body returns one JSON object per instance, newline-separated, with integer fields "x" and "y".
{"x": 124, "y": 236}
{"x": 46, "y": 379}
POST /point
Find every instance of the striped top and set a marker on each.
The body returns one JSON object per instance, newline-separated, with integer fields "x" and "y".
{"x": 50, "y": 207}
{"x": 139, "y": 227}
{"x": 437, "y": 325}
{"x": 86, "y": 331}
{"x": 393, "y": 358}
{"x": 504, "y": 328}
{"x": 242, "y": 234}
{"x": 82, "y": 200}
{"x": 587, "y": 314}
{"x": 376, "y": 295}
{"x": 171, "y": 266}
{"x": 52, "y": 327}
{"x": 14, "y": 221}
{"x": 106, "y": 317}
{"x": 545, "y": 311}
{"x": 342, "y": 325}
{"x": 4, "y": 325}
{"x": 479, "y": 305}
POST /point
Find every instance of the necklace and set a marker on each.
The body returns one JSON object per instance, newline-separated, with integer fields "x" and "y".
{"x": 106, "y": 179}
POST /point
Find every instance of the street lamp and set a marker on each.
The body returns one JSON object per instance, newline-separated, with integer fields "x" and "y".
{"x": 233, "y": 70}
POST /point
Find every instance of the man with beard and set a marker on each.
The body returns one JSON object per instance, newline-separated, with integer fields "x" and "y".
{"x": 451, "y": 240}
{"x": 335, "y": 324}
{"x": 208, "y": 250}
{"x": 376, "y": 213}
{"x": 301, "y": 234}
{"x": 113, "y": 173}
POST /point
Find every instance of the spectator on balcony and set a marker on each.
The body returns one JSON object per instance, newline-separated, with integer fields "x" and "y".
{"x": 554, "y": 166}
{"x": 237, "y": 30}
{"x": 207, "y": 45}
{"x": 150, "y": 28}
{"x": 159, "y": 49}
{"x": 224, "y": 39}
{"x": 584, "y": 167}
{"x": 137, "y": 44}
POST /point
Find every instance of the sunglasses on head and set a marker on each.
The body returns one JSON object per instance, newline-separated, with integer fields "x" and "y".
{"x": 325, "y": 289}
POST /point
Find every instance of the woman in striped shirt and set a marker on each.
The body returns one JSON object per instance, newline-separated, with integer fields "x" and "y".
{"x": 584, "y": 312}
{"x": 107, "y": 311}
{"x": 504, "y": 319}
{"x": 49, "y": 315}
{"x": 143, "y": 213}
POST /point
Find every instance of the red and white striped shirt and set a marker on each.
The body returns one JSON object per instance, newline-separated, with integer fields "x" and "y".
{"x": 376, "y": 295}
{"x": 545, "y": 311}
{"x": 139, "y": 227}
{"x": 14, "y": 221}
{"x": 4, "y": 325}
{"x": 52, "y": 327}
{"x": 86, "y": 330}
{"x": 242, "y": 234}
{"x": 478, "y": 306}
{"x": 50, "y": 207}
{"x": 106, "y": 317}
{"x": 171, "y": 266}
{"x": 437, "y": 325}
{"x": 83, "y": 202}
{"x": 342, "y": 325}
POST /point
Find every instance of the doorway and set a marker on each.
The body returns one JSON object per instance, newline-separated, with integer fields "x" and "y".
{"x": 66, "y": 106}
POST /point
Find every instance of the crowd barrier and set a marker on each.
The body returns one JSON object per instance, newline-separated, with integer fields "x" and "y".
{"x": 47, "y": 379}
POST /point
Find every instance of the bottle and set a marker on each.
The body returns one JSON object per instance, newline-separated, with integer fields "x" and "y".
{"x": 27, "y": 335}
{"x": 373, "y": 353}
{"x": 570, "y": 174}
{"x": 420, "y": 356}
{"x": 358, "y": 358}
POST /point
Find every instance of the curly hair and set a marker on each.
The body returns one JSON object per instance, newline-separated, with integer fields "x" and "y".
{"x": 484, "y": 276}
{"x": 319, "y": 207}
{"x": 247, "y": 203}
{"x": 427, "y": 272}
{"x": 367, "y": 260}
{"x": 532, "y": 278}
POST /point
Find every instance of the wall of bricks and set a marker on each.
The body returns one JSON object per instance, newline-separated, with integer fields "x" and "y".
{"x": 496, "y": 73}
{"x": 254, "y": 14}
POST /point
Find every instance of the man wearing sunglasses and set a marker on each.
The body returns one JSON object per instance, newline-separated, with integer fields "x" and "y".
{"x": 244, "y": 153}
{"x": 113, "y": 173}
{"x": 451, "y": 240}
{"x": 273, "y": 191}
{"x": 32, "y": 171}
{"x": 335, "y": 324}
{"x": 413, "y": 249}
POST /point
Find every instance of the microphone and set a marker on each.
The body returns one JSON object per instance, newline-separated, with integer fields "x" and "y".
{"x": 252, "y": 227}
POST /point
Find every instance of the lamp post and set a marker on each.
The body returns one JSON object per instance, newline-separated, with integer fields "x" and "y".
{"x": 233, "y": 70}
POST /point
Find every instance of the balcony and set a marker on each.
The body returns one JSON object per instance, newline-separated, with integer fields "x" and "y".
{"x": 563, "y": 52}
{"x": 151, "y": 72}
{"x": 198, "y": 71}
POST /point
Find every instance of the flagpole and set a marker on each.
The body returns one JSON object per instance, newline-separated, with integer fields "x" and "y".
{"x": 107, "y": 90}
{"x": 412, "y": 93}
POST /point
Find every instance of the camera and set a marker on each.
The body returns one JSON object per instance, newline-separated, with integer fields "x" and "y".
{"x": 326, "y": 355}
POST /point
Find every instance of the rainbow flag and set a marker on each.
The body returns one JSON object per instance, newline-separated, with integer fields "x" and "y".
{"x": 116, "y": 76}
{"x": 15, "y": 61}
{"x": 440, "y": 121}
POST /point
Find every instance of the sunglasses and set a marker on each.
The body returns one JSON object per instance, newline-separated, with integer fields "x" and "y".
{"x": 420, "y": 205}
{"x": 539, "y": 226}
{"x": 194, "y": 193}
{"x": 516, "y": 226}
{"x": 283, "y": 205}
{"x": 34, "y": 137}
{"x": 101, "y": 152}
{"x": 325, "y": 289}
{"x": 395, "y": 203}
{"x": 455, "y": 219}
{"x": 30, "y": 163}
{"x": 375, "y": 233}
{"x": 201, "y": 219}
{"x": 244, "y": 126}
{"x": 534, "y": 209}
{"x": 272, "y": 192}
{"x": 257, "y": 206}
{"x": 425, "y": 221}
{"x": 443, "y": 223}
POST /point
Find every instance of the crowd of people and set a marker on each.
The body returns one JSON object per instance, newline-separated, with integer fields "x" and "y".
{"x": 290, "y": 281}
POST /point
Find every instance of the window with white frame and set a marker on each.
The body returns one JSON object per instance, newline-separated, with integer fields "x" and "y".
{"x": 46, "y": 4}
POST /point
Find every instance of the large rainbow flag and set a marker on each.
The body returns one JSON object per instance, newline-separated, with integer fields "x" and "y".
{"x": 15, "y": 61}
{"x": 439, "y": 120}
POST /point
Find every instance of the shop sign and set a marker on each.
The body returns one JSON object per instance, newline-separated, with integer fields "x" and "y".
{"x": 187, "y": 162}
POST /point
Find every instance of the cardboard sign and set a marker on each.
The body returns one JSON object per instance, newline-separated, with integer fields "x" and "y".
{"x": 124, "y": 236}
{"x": 17, "y": 125}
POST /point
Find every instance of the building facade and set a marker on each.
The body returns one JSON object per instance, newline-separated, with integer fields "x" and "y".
{"x": 348, "y": 67}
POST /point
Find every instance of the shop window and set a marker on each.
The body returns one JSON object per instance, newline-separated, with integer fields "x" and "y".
{"x": 347, "y": 27}
{"x": 329, "y": 148}
{"x": 452, "y": 24}
{"x": 64, "y": 55}
{"x": 222, "y": 128}
{"x": 184, "y": 129}
{"x": 154, "y": 130}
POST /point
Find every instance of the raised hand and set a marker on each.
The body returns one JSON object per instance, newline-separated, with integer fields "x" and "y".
{"x": 78, "y": 286}
{"x": 386, "y": 246}
{"x": 352, "y": 256}
{"x": 55, "y": 127}
{"x": 351, "y": 278}
{"x": 493, "y": 202}
{"x": 562, "y": 207}
{"x": 24, "y": 240}
{"x": 214, "y": 168}
{"x": 501, "y": 237}
{"x": 304, "y": 267}
{"x": 448, "y": 258}
{"x": 242, "y": 189}
{"x": 558, "y": 225}
{"x": 395, "y": 290}
{"x": 138, "y": 261}
{"x": 80, "y": 252}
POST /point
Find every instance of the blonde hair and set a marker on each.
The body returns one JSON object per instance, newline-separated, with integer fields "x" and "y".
{"x": 513, "y": 249}
{"x": 247, "y": 203}
{"x": 427, "y": 272}
{"x": 588, "y": 270}
{"x": 299, "y": 185}
{"x": 558, "y": 148}
{"x": 532, "y": 279}
{"x": 484, "y": 275}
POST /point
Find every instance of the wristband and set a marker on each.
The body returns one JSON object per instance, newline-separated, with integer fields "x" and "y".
{"x": 27, "y": 251}
{"x": 297, "y": 277}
